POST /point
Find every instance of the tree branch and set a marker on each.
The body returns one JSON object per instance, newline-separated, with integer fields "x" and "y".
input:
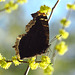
{"x": 54, "y": 54}
{"x": 27, "y": 70}
{"x": 54, "y": 51}
{"x": 53, "y": 10}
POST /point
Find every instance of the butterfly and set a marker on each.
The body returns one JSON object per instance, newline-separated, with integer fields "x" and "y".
{"x": 36, "y": 39}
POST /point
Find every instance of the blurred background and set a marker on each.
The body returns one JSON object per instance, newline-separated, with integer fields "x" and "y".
{"x": 13, "y": 24}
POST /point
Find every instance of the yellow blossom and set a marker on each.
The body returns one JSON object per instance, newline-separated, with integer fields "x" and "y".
{"x": 2, "y": 0}
{"x": 43, "y": 65}
{"x": 61, "y": 48}
{"x": 14, "y": 7}
{"x": 65, "y": 22}
{"x": 33, "y": 65}
{"x": 49, "y": 70}
{"x": 11, "y": 6}
{"x": 8, "y": 10}
{"x": 45, "y": 61}
{"x": 64, "y": 33}
{"x": 6, "y": 65}
{"x": 15, "y": 60}
{"x": 45, "y": 9}
{"x": 71, "y": 6}
{"x": 1, "y": 57}
{"x": 2, "y": 63}
{"x": 21, "y": 1}
{"x": 31, "y": 59}
{"x": 58, "y": 37}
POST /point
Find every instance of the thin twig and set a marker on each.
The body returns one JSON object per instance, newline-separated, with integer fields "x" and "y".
{"x": 22, "y": 61}
{"x": 54, "y": 39}
{"x": 27, "y": 70}
{"x": 68, "y": 14}
{"x": 54, "y": 51}
{"x": 53, "y": 10}
{"x": 18, "y": 60}
{"x": 54, "y": 54}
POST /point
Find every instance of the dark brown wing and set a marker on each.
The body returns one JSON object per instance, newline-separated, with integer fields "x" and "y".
{"x": 36, "y": 40}
{"x": 29, "y": 25}
{"x": 27, "y": 28}
{"x": 32, "y": 22}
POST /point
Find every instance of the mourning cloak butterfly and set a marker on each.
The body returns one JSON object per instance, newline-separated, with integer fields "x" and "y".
{"x": 36, "y": 39}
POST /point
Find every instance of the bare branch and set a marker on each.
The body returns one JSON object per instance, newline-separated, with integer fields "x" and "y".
{"x": 27, "y": 70}
{"x": 53, "y": 10}
{"x": 54, "y": 51}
